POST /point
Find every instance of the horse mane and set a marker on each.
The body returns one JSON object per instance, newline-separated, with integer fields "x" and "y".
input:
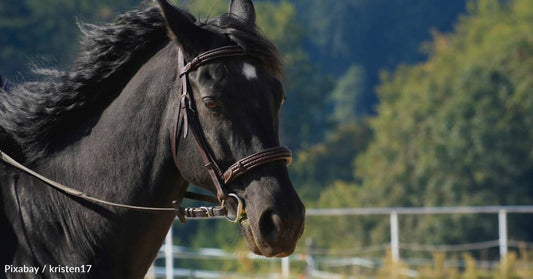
{"x": 37, "y": 116}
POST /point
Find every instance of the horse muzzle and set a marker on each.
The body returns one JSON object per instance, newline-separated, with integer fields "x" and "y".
{"x": 274, "y": 219}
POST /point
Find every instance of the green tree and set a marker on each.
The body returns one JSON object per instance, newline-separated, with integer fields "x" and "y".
{"x": 455, "y": 130}
{"x": 319, "y": 166}
{"x": 346, "y": 97}
{"x": 374, "y": 34}
{"x": 303, "y": 117}
{"x": 334, "y": 233}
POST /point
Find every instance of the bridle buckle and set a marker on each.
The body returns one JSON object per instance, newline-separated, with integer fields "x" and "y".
{"x": 240, "y": 213}
{"x": 208, "y": 211}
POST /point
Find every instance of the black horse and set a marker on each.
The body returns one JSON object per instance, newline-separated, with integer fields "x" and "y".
{"x": 105, "y": 128}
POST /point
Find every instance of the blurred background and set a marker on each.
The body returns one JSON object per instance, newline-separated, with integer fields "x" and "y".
{"x": 390, "y": 103}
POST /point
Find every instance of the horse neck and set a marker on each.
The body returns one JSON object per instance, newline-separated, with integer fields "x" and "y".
{"x": 124, "y": 158}
{"x": 123, "y": 152}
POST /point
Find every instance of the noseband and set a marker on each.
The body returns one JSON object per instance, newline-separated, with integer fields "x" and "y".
{"x": 188, "y": 120}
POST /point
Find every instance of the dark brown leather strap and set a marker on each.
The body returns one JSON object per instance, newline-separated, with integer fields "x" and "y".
{"x": 179, "y": 121}
{"x": 210, "y": 55}
{"x": 205, "y": 151}
{"x": 255, "y": 160}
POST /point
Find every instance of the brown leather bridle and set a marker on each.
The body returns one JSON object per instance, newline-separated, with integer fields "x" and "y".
{"x": 188, "y": 120}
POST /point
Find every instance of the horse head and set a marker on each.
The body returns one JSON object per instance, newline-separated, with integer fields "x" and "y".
{"x": 235, "y": 102}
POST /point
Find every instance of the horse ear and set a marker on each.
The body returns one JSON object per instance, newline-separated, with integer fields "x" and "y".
{"x": 181, "y": 27}
{"x": 243, "y": 9}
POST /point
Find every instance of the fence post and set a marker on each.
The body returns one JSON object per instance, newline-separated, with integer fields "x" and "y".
{"x": 285, "y": 268}
{"x": 394, "y": 243}
{"x": 169, "y": 257}
{"x": 502, "y": 225}
{"x": 309, "y": 258}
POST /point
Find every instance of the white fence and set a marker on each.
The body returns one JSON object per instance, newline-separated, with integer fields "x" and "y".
{"x": 170, "y": 251}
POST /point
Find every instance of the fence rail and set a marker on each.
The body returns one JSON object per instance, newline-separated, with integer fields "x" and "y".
{"x": 393, "y": 212}
{"x": 420, "y": 210}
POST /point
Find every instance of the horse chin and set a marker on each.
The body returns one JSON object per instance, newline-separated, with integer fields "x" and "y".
{"x": 250, "y": 238}
{"x": 257, "y": 246}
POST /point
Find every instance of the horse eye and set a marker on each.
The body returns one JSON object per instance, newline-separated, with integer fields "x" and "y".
{"x": 210, "y": 103}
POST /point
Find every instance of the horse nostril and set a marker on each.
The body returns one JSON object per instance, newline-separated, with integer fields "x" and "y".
{"x": 270, "y": 225}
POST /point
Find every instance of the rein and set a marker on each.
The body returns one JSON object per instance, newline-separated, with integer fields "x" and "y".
{"x": 188, "y": 120}
{"x": 74, "y": 192}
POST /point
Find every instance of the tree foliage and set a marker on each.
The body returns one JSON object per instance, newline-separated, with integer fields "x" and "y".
{"x": 346, "y": 97}
{"x": 455, "y": 130}
{"x": 320, "y": 166}
{"x": 374, "y": 34}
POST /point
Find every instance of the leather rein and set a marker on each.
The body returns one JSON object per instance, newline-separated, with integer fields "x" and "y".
{"x": 188, "y": 120}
